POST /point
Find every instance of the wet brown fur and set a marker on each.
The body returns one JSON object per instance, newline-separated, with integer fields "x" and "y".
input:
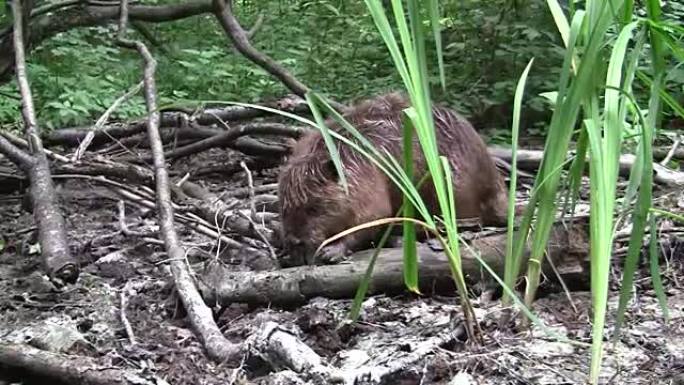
{"x": 314, "y": 206}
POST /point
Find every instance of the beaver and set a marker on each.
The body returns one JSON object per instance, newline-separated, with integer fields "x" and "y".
{"x": 314, "y": 206}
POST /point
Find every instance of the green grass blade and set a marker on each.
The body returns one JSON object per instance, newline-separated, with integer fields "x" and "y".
{"x": 664, "y": 95}
{"x": 629, "y": 104}
{"x": 560, "y": 20}
{"x": 645, "y": 189}
{"x": 383, "y": 26}
{"x": 655, "y": 269}
{"x": 576, "y": 172}
{"x": 671, "y": 215}
{"x": 332, "y": 148}
{"x": 512, "y": 264}
{"x": 604, "y": 164}
{"x": 410, "y": 247}
{"x": 654, "y": 13}
{"x": 643, "y": 205}
{"x": 363, "y": 286}
{"x": 365, "y": 281}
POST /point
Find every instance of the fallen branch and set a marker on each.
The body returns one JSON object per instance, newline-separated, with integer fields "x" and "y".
{"x": 378, "y": 373}
{"x": 99, "y": 124}
{"x": 568, "y": 248}
{"x": 211, "y": 116}
{"x": 282, "y": 349}
{"x": 217, "y": 346}
{"x": 58, "y": 262}
{"x": 531, "y": 159}
{"x": 225, "y": 138}
{"x": 23, "y": 144}
{"x": 212, "y": 209}
{"x": 65, "y": 368}
{"x": 672, "y": 153}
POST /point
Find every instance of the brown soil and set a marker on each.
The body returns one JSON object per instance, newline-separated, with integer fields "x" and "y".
{"x": 647, "y": 352}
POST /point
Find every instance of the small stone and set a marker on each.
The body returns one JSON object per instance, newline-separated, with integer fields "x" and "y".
{"x": 462, "y": 378}
{"x": 114, "y": 265}
{"x": 352, "y": 359}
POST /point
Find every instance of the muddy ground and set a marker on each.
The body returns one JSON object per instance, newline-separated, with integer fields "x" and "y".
{"x": 88, "y": 314}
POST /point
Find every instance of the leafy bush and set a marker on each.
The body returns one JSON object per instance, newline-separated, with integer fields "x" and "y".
{"x": 331, "y": 46}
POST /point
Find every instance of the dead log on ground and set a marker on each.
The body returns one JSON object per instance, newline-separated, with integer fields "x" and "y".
{"x": 199, "y": 121}
{"x": 66, "y": 368}
{"x": 568, "y": 250}
{"x": 531, "y": 159}
{"x": 58, "y": 262}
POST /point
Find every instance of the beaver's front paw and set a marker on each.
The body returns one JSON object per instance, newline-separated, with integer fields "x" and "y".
{"x": 332, "y": 254}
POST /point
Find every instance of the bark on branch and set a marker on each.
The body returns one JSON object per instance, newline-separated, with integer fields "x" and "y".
{"x": 59, "y": 264}
{"x": 240, "y": 38}
{"x": 44, "y": 26}
{"x": 207, "y": 117}
{"x": 218, "y": 347}
{"x": 64, "y": 367}
{"x": 567, "y": 248}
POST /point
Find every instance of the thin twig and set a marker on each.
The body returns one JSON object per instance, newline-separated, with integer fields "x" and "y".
{"x": 672, "y": 151}
{"x": 124, "y": 227}
{"x": 99, "y": 124}
{"x": 250, "y": 185}
{"x": 124, "y": 319}
{"x": 271, "y": 250}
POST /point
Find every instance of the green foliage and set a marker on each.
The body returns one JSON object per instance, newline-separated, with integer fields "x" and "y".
{"x": 330, "y": 45}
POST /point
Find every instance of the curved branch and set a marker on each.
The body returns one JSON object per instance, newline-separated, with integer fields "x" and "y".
{"x": 240, "y": 38}
{"x": 73, "y": 136}
{"x": 47, "y": 25}
{"x": 232, "y": 27}
{"x": 232, "y": 134}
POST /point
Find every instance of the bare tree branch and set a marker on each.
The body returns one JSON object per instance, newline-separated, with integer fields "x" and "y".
{"x": 68, "y": 17}
{"x": 230, "y": 136}
{"x": 224, "y": 15}
{"x": 58, "y": 261}
{"x": 16, "y": 155}
{"x": 240, "y": 38}
{"x": 218, "y": 347}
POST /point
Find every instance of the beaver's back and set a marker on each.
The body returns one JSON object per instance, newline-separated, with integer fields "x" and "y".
{"x": 315, "y": 207}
